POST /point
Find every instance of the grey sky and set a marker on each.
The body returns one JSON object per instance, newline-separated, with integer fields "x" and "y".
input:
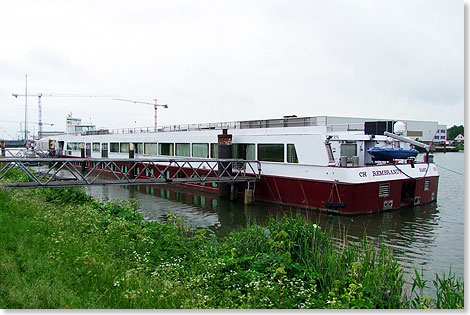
{"x": 233, "y": 60}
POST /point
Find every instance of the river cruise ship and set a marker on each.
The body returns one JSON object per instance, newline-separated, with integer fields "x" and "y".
{"x": 304, "y": 161}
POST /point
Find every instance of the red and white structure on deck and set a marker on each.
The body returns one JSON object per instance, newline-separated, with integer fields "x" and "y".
{"x": 305, "y": 162}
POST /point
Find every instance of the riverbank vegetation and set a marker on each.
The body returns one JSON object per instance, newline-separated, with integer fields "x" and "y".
{"x": 60, "y": 248}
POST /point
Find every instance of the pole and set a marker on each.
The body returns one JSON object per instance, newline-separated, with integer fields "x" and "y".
{"x": 2, "y": 146}
{"x": 131, "y": 156}
{"x": 26, "y": 110}
{"x": 82, "y": 155}
{"x": 156, "y": 115}
{"x": 224, "y": 148}
{"x": 39, "y": 116}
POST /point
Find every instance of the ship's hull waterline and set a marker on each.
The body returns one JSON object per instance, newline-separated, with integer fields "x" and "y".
{"x": 309, "y": 166}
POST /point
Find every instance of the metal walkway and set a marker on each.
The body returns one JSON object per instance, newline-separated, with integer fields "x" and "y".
{"x": 64, "y": 172}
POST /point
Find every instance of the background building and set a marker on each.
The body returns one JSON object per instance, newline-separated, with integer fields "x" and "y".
{"x": 74, "y": 125}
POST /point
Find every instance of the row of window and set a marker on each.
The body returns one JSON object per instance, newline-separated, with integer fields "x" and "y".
{"x": 246, "y": 151}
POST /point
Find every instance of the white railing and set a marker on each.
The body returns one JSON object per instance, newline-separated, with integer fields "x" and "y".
{"x": 249, "y": 124}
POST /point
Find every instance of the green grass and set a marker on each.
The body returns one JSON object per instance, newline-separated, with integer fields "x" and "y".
{"x": 59, "y": 248}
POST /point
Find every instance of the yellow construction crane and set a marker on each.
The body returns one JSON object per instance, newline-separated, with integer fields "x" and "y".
{"x": 154, "y": 104}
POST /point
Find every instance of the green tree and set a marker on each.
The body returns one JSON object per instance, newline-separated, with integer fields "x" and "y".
{"x": 454, "y": 131}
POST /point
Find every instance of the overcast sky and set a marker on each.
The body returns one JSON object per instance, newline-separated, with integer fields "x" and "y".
{"x": 231, "y": 60}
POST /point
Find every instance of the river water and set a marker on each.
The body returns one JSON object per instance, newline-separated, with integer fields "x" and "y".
{"x": 429, "y": 237}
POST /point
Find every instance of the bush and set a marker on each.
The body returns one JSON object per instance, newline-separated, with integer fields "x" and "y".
{"x": 62, "y": 249}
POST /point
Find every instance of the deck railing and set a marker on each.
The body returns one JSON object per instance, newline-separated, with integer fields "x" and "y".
{"x": 249, "y": 124}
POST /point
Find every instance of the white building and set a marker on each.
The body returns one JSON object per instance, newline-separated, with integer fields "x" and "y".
{"x": 459, "y": 138}
{"x": 441, "y": 134}
{"x": 74, "y": 125}
{"x": 425, "y": 131}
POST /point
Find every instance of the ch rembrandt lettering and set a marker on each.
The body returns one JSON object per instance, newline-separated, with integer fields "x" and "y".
{"x": 385, "y": 172}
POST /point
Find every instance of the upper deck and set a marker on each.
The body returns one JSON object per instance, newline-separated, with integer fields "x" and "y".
{"x": 286, "y": 122}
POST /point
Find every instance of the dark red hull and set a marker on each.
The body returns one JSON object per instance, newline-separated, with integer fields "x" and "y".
{"x": 348, "y": 199}
{"x": 353, "y": 198}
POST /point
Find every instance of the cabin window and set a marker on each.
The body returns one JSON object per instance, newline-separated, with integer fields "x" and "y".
{"x": 183, "y": 149}
{"x": 271, "y": 152}
{"x": 201, "y": 150}
{"x": 349, "y": 150}
{"x": 150, "y": 148}
{"x": 75, "y": 146}
{"x": 292, "y": 154}
{"x": 214, "y": 150}
{"x": 124, "y": 147}
{"x": 139, "y": 148}
{"x": 427, "y": 184}
{"x": 165, "y": 149}
{"x": 384, "y": 190}
{"x": 96, "y": 147}
{"x": 113, "y": 147}
{"x": 243, "y": 151}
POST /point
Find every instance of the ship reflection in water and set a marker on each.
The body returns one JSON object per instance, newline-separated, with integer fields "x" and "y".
{"x": 408, "y": 231}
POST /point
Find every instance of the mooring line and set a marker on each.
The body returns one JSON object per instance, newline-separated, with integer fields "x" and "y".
{"x": 450, "y": 169}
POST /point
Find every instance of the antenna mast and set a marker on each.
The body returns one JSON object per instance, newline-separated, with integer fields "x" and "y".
{"x": 26, "y": 111}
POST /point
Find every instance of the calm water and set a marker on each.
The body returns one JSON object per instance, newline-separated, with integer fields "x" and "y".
{"x": 429, "y": 237}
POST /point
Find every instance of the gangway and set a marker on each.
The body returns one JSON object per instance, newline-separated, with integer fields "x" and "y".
{"x": 69, "y": 172}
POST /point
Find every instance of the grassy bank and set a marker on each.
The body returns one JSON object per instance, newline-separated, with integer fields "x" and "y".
{"x": 60, "y": 248}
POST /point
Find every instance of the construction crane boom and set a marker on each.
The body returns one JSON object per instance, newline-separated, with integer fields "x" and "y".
{"x": 16, "y": 121}
{"x": 154, "y": 104}
{"x": 40, "y": 95}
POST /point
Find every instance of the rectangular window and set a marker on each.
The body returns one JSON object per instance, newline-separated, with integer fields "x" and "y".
{"x": 201, "y": 150}
{"x": 443, "y": 137}
{"x": 384, "y": 190}
{"x": 349, "y": 150}
{"x": 138, "y": 148}
{"x": 113, "y": 147}
{"x": 244, "y": 151}
{"x": 150, "y": 148}
{"x": 166, "y": 149}
{"x": 183, "y": 149}
{"x": 427, "y": 184}
{"x": 73, "y": 146}
{"x": 271, "y": 152}
{"x": 214, "y": 150}
{"x": 292, "y": 154}
{"x": 96, "y": 147}
{"x": 124, "y": 147}
{"x": 411, "y": 133}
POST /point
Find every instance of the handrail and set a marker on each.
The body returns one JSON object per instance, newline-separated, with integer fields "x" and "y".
{"x": 127, "y": 171}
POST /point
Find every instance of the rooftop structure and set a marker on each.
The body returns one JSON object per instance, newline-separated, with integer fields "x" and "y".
{"x": 74, "y": 125}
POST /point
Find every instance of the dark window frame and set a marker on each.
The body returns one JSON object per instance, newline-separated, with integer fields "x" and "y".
{"x": 264, "y": 156}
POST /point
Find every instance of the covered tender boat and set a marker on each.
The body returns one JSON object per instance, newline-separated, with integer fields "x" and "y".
{"x": 385, "y": 154}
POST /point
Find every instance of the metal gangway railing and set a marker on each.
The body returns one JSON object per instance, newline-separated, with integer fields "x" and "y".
{"x": 44, "y": 171}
